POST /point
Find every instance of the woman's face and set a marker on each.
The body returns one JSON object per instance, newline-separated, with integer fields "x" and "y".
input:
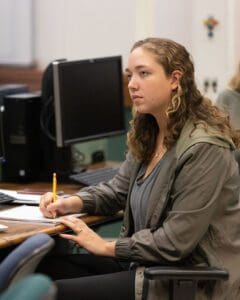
{"x": 149, "y": 87}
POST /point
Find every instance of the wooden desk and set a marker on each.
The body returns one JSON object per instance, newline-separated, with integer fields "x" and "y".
{"x": 19, "y": 231}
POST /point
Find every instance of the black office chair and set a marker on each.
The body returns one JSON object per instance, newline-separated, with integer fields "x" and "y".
{"x": 24, "y": 259}
{"x": 183, "y": 281}
{"x": 32, "y": 287}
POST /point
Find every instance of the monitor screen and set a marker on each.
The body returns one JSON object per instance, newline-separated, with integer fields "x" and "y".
{"x": 88, "y": 99}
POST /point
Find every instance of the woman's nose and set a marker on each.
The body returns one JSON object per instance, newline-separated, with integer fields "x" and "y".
{"x": 132, "y": 83}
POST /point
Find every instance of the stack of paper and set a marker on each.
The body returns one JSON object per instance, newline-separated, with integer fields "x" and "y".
{"x": 29, "y": 213}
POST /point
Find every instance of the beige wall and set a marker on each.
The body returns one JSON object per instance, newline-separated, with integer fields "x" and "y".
{"x": 83, "y": 29}
{"x": 78, "y": 29}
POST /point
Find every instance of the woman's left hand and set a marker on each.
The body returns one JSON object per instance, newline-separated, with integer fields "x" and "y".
{"x": 87, "y": 238}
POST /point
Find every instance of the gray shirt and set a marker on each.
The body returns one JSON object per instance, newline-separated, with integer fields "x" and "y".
{"x": 141, "y": 190}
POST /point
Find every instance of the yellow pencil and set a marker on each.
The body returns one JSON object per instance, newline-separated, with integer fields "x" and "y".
{"x": 54, "y": 187}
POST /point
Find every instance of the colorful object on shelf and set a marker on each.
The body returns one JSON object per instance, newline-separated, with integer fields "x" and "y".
{"x": 210, "y": 23}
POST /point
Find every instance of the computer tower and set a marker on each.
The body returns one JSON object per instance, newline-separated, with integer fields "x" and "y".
{"x": 21, "y": 137}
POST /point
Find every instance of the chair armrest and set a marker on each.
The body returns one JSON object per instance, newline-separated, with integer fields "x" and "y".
{"x": 192, "y": 273}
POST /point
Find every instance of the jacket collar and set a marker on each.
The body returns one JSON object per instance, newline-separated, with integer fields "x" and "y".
{"x": 192, "y": 134}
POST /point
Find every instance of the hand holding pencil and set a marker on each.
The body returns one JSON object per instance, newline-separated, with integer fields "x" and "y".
{"x": 52, "y": 205}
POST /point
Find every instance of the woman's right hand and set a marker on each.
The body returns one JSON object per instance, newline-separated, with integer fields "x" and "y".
{"x": 62, "y": 206}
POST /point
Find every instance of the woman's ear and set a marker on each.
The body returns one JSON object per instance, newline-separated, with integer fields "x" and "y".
{"x": 175, "y": 78}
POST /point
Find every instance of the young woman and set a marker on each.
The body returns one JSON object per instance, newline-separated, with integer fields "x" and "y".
{"x": 179, "y": 188}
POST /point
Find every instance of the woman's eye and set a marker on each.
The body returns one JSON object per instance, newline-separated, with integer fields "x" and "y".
{"x": 144, "y": 73}
{"x": 129, "y": 76}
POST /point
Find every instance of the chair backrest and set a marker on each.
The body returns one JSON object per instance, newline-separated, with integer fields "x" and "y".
{"x": 183, "y": 281}
{"x": 24, "y": 259}
{"x": 33, "y": 287}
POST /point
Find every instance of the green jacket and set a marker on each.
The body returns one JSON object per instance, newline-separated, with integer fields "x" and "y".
{"x": 193, "y": 213}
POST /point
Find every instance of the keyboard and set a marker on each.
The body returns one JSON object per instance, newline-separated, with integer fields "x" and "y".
{"x": 4, "y": 198}
{"x": 93, "y": 177}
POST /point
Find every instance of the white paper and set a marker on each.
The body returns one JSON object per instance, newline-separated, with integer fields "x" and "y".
{"x": 22, "y": 198}
{"x": 3, "y": 228}
{"x": 29, "y": 214}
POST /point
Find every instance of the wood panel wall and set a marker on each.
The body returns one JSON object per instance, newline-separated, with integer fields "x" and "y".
{"x": 30, "y": 76}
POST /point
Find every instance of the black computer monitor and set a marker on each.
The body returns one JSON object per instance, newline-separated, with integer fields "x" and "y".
{"x": 88, "y": 99}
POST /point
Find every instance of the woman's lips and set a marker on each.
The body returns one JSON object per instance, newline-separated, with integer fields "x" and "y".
{"x": 136, "y": 97}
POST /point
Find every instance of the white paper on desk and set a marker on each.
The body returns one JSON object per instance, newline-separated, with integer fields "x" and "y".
{"x": 29, "y": 213}
{"x": 22, "y": 198}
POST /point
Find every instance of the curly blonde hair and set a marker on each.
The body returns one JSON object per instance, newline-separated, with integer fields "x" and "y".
{"x": 187, "y": 102}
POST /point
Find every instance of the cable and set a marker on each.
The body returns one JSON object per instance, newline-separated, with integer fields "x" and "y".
{"x": 46, "y": 116}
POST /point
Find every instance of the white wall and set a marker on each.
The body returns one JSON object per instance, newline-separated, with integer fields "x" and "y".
{"x": 173, "y": 19}
{"x": 235, "y": 25}
{"x": 214, "y": 58}
{"x": 16, "y": 32}
{"x": 78, "y": 29}
{"x": 212, "y": 55}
